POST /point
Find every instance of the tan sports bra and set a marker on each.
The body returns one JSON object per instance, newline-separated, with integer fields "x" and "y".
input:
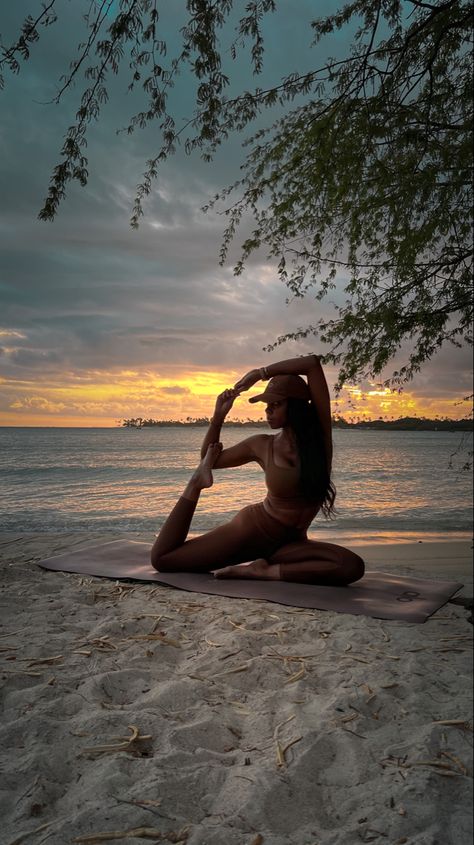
{"x": 284, "y": 500}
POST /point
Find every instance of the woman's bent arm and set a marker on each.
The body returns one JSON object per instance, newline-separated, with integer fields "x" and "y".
{"x": 309, "y": 366}
{"x": 224, "y": 403}
{"x": 212, "y": 435}
{"x": 306, "y": 366}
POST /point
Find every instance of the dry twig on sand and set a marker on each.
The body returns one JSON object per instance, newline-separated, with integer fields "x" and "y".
{"x": 136, "y": 832}
{"x": 281, "y": 750}
{"x": 126, "y": 744}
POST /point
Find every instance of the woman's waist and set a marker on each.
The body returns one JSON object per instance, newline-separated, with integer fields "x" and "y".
{"x": 295, "y": 512}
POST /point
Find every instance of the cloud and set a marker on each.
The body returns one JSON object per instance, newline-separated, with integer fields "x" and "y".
{"x": 38, "y": 403}
{"x": 175, "y": 390}
{"x": 86, "y": 298}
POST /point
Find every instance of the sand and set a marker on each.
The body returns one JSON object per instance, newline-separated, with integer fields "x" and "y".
{"x": 136, "y": 713}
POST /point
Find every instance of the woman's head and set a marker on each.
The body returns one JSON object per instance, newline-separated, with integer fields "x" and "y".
{"x": 283, "y": 387}
{"x": 277, "y": 393}
{"x": 303, "y": 419}
{"x": 276, "y": 413}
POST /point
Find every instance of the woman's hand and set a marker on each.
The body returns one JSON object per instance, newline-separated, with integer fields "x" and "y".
{"x": 248, "y": 380}
{"x": 224, "y": 402}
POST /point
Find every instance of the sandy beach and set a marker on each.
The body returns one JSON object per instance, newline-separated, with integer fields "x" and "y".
{"x": 136, "y": 712}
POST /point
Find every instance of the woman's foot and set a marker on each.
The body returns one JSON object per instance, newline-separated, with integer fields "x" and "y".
{"x": 202, "y": 476}
{"x": 259, "y": 569}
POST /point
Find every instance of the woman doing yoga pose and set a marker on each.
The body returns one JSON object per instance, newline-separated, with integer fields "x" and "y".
{"x": 297, "y": 466}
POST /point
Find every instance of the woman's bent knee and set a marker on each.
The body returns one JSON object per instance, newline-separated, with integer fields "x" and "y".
{"x": 160, "y": 563}
{"x": 162, "y": 559}
{"x": 155, "y": 560}
{"x": 354, "y": 566}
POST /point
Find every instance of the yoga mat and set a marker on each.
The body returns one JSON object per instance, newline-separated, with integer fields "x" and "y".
{"x": 377, "y": 594}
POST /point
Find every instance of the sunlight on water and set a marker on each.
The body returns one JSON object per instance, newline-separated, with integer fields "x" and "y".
{"x": 391, "y": 485}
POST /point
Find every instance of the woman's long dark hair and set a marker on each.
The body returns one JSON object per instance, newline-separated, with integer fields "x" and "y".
{"x": 315, "y": 472}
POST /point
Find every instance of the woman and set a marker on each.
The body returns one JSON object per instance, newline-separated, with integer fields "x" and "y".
{"x": 297, "y": 465}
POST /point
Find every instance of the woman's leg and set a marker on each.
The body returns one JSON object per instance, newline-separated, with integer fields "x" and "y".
{"x": 175, "y": 530}
{"x": 307, "y": 561}
{"x": 315, "y": 562}
{"x": 229, "y": 544}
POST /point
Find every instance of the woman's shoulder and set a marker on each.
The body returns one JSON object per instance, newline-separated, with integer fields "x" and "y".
{"x": 258, "y": 443}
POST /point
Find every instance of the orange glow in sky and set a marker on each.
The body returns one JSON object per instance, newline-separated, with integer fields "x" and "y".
{"x": 104, "y": 399}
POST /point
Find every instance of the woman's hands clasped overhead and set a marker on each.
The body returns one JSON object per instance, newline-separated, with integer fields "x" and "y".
{"x": 248, "y": 380}
{"x": 224, "y": 402}
{"x": 226, "y": 399}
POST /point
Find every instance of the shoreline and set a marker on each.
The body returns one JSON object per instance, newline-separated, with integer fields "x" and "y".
{"x": 257, "y": 722}
{"x": 393, "y": 538}
{"x": 344, "y": 537}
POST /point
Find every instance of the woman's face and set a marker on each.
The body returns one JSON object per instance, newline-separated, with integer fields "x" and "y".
{"x": 276, "y": 413}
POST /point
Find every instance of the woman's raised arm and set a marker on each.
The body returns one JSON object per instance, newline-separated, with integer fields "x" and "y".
{"x": 224, "y": 403}
{"x": 309, "y": 366}
{"x": 247, "y": 450}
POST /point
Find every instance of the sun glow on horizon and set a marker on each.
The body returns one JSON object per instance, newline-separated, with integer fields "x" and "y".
{"x": 103, "y": 399}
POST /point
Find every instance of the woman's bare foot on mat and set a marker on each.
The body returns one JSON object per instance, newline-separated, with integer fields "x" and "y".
{"x": 202, "y": 476}
{"x": 259, "y": 569}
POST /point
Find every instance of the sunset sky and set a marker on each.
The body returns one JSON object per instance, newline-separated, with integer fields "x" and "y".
{"x": 99, "y": 322}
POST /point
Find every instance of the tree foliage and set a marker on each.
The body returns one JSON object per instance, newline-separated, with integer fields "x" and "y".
{"x": 366, "y": 175}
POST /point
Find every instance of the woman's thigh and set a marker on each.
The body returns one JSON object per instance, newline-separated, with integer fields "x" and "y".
{"x": 237, "y": 542}
{"x": 342, "y": 562}
{"x": 305, "y": 549}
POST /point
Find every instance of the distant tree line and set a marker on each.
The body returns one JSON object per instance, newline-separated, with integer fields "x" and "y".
{"x": 401, "y": 424}
{"x": 140, "y": 422}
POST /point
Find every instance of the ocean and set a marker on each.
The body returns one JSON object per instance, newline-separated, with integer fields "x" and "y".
{"x": 391, "y": 485}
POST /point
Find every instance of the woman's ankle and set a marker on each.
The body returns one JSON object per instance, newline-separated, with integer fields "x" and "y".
{"x": 191, "y": 492}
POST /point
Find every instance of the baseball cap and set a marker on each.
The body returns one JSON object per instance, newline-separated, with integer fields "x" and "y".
{"x": 283, "y": 387}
